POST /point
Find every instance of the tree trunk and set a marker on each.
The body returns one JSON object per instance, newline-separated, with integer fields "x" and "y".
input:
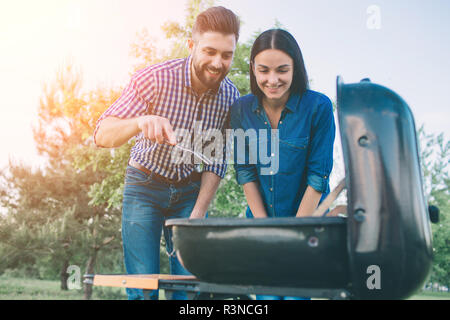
{"x": 64, "y": 276}
{"x": 90, "y": 270}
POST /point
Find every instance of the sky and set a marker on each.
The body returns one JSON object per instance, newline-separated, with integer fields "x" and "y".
{"x": 400, "y": 44}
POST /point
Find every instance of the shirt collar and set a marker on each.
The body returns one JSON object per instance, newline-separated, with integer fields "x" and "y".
{"x": 187, "y": 72}
{"x": 188, "y": 78}
{"x": 293, "y": 103}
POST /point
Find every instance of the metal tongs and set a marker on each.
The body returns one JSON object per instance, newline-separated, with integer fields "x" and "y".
{"x": 196, "y": 154}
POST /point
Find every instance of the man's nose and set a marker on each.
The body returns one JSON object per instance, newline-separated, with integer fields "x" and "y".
{"x": 217, "y": 62}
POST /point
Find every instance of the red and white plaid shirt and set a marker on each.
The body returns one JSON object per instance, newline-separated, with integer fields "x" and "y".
{"x": 165, "y": 90}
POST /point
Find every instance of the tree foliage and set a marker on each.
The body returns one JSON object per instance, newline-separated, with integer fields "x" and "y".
{"x": 68, "y": 212}
{"x": 435, "y": 159}
{"x": 50, "y": 220}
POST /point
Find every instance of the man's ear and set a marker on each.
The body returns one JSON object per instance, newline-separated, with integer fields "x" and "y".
{"x": 191, "y": 44}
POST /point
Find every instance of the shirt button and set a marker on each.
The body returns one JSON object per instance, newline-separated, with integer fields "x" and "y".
{"x": 271, "y": 172}
{"x": 271, "y": 190}
{"x": 265, "y": 122}
{"x": 273, "y": 154}
{"x": 271, "y": 206}
{"x": 281, "y": 122}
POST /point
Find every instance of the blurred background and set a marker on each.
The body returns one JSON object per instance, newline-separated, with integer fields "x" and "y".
{"x": 63, "y": 62}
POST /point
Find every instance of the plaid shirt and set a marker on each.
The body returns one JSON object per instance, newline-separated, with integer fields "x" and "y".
{"x": 165, "y": 90}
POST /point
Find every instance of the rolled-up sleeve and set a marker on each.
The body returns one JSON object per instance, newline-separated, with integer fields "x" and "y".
{"x": 218, "y": 169}
{"x": 133, "y": 102}
{"x": 245, "y": 172}
{"x": 320, "y": 160}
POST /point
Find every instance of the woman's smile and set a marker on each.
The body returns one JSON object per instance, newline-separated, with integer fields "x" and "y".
{"x": 274, "y": 88}
{"x": 273, "y": 71}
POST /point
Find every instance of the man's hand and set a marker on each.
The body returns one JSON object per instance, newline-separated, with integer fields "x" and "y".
{"x": 114, "y": 132}
{"x": 157, "y": 129}
{"x": 210, "y": 183}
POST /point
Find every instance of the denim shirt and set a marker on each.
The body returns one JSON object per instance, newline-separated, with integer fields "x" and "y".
{"x": 306, "y": 133}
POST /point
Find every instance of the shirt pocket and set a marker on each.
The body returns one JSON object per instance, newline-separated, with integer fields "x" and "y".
{"x": 292, "y": 155}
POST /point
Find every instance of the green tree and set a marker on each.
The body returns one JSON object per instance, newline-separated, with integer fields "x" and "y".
{"x": 68, "y": 212}
{"x": 230, "y": 200}
{"x": 108, "y": 191}
{"x": 178, "y": 33}
{"x": 435, "y": 158}
{"x": 52, "y": 204}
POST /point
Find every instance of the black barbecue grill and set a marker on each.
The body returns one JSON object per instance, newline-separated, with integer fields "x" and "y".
{"x": 381, "y": 250}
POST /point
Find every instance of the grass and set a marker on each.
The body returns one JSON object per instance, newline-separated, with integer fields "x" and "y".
{"x": 32, "y": 289}
{"x": 426, "y": 295}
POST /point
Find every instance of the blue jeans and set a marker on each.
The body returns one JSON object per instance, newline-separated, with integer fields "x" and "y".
{"x": 147, "y": 203}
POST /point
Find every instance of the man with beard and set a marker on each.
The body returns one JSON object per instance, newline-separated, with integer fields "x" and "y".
{"x": 159, "y": 100}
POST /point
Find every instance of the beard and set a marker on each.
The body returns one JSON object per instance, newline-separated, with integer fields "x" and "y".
{"x": 206, "y": 79}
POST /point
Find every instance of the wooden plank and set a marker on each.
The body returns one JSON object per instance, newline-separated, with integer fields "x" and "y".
{"x": 319, "y": 212}
{"x": 139, "y": 281}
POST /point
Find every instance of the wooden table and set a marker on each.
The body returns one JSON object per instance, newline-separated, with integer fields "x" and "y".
{"x": 198, "y": 290}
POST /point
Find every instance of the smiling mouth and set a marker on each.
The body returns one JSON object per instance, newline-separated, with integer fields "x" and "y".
{"x": 274, "y": 88}
{"x": 214, "y": 72}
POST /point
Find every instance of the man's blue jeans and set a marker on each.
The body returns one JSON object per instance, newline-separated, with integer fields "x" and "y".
{"x": 147, "y": 203}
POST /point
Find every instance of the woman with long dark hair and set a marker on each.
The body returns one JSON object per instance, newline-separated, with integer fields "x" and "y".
{"x": 283, "y": 153}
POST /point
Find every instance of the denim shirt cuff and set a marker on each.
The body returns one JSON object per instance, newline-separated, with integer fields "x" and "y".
{"x": 244, "y": 176}
{"x": 318, "y": 183}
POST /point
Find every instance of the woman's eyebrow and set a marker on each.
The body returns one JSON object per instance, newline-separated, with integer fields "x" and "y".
{"x": 284, "y": 66}
{"x": 279, "y": 67}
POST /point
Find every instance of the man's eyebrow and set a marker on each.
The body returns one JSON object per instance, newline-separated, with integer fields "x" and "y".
{"x": 214, "y": 49}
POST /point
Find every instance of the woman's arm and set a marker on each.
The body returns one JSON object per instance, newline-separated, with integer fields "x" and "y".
{"x": 309, "y": 202}
{"x": 246, "y": 173}
{"x": 254, "y": 200}
{"x": 320, "y": 159}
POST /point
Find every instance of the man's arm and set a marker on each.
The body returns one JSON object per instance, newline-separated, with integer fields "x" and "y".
{"x": 210, "y": 183}
{"x": 114, "y": 132}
